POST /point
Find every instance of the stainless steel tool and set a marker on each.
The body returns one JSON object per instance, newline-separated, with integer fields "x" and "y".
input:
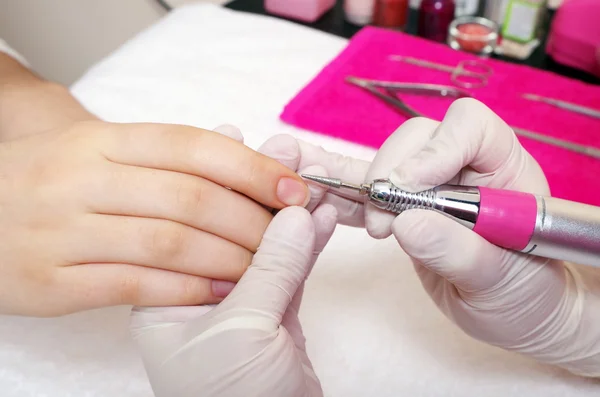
{"x": 564, "y": 105}
{"x": 391, "y": 97}
{"x": 468, "y": 74}
{"x": 536, "y": 225}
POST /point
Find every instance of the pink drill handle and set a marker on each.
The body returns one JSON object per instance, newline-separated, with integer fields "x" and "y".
{"x": 541, "y": 226}
{"x": 506, "y": 218}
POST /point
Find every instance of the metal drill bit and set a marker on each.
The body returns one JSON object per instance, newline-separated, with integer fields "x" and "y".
{"x": 362, "y": 189}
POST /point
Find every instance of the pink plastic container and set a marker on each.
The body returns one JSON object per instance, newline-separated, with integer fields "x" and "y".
{"x": 302, "y": 10}
{"x": 574, "y": 38}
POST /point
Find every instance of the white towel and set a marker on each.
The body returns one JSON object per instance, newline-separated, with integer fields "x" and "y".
{"x": 371, "y": 329}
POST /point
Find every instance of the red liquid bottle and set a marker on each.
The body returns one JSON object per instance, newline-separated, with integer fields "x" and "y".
{"x": 435, "y": 17}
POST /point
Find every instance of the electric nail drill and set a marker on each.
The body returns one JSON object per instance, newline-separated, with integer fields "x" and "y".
{"x": 542, "y": 226}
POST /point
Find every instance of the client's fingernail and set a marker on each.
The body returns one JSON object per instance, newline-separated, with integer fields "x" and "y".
{"x": 221, "y": 288}
{"x": 292, "y": 192}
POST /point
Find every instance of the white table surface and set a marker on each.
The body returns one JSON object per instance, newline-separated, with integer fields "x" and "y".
{"x": 371, "y": 329}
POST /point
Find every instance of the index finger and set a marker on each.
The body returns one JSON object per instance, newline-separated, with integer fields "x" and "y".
{"x": 470, "y": 135}
{"x": 209, "y": 155}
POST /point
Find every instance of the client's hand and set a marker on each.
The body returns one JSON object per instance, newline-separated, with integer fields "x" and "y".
{"x": 96, "y": 214}
{"x": 251, "y": 344}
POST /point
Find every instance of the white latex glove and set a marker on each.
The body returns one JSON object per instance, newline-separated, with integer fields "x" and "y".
{"x": 251, "y": 344}
{"x": 544, "y": 309}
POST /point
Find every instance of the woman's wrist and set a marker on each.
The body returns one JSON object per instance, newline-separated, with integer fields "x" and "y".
{"x": 31, "y": 105}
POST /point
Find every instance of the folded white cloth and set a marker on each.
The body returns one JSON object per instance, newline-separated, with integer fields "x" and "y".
{"x": 371, "y": 329}
{"x": 5, "y": 48}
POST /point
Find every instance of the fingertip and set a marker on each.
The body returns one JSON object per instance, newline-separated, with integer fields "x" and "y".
{"x": 407, "y": 177}
{"x": 222, "y": 288}
{"x": 467, "y": 106}
{"x": 283, "y": 148}
{"x": 325, "y": 218}
{"x": 230, "y": 131}
{"x": 378, "y": 222}
{"x": 295, "y": 221}
{"x": 327, "y": 214}
{"x": 325, "y": 221}
{"x": 293, "y": 192}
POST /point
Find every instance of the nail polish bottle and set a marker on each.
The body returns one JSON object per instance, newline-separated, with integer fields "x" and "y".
{"x": 302, "y": 10}
{"x": 391, "y": 14}
{"x": 435, "y": 17}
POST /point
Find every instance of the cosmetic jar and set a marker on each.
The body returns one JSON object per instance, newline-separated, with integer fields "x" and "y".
{"x": 359, "y": 12}
{"x": 304, "y": 10}
{"x": 473, "y": 34}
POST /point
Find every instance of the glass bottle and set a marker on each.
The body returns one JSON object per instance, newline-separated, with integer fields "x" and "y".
{"x": 391, "y": 14}
{"x": 435, "y": 17}
{"x": 466, "y": 7}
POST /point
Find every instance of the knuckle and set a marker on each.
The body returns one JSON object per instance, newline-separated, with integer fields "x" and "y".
{"x": 42, "y": 174}
{"x": 88, "y": 133}
{"x": 189, "y": 197}
{"x": 113, "y": 178}
{"x": 129, "y": 290}
{"x": 193, "y": 142}
{"x": 167, "y": 241}
{"x": 254, "y": 169}
{"x": 39, "y": 276}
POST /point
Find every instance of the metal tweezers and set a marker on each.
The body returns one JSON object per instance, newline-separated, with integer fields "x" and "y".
{"x": 391, "y": 97}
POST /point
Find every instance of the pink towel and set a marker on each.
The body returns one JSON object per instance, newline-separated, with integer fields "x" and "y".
{"x": 330, "y": 106}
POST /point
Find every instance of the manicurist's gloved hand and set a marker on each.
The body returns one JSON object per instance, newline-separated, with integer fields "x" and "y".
{"x": 251, "y": 344}
{"x": 542, "y": 308}
{"x": 545, "y": 309}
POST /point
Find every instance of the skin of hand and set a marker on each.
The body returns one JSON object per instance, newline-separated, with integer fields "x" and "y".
{"x": 96, "y": 214}
{"x": 251, "y": 344}
{"x": 541, "y": 308}
{"x": 31, "y": 105}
